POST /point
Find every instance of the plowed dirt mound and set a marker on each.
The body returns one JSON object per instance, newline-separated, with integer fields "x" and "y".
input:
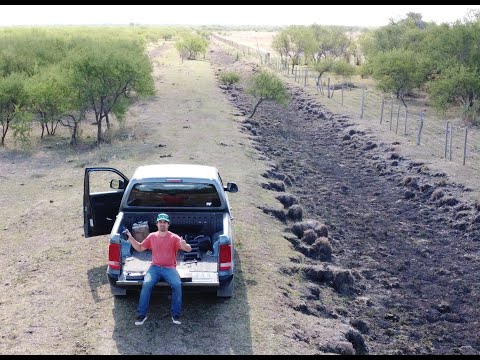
{"x": 383, "y": 241}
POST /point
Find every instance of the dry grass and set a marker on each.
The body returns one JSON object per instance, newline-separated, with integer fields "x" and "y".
{"x": 256, "y": 39}
{"x": 55, "y": 299}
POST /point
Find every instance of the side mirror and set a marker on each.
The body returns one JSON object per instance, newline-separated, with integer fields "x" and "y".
{"x": 231, "y": 187}
{"x": 117, "y": 184}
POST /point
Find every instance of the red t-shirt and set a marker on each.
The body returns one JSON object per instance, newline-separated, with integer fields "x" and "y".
{"x": 164, "y": 248}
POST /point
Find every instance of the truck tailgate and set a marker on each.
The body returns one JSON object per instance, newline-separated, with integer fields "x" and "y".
{"x": 192, "y": 272}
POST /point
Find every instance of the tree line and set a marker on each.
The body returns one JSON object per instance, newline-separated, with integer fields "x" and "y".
{"x": 406, "y": 56}
{"x": 54, "y": 77}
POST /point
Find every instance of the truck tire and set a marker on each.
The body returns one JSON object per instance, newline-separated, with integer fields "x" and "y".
{"x": 226, "y": 291}
{"x": 114, "y": 289}
{"x": 118, "y": 292}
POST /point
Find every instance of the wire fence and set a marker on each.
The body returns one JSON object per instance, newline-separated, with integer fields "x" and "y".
{"x": 445, "y": 138}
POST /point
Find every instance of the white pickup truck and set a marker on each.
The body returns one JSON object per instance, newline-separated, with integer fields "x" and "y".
{"x": 196, "y": 200}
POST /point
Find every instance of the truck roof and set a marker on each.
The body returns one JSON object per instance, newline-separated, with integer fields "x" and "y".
{"x": 176, "y": 171}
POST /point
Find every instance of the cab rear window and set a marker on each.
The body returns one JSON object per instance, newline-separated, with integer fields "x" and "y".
{"x": 174, "y": 194}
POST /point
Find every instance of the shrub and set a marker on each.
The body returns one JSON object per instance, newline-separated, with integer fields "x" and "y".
{"x": 229, "y": 78}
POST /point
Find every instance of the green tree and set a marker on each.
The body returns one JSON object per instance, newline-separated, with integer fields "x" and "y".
{"x": 321, "y": 67}
{"x": 56, "y": 100}
{"x": 110, "y": 75}
{"x": 303, "y": 44}
{"x": 12, "y": 100}
{"x": 329, "y": 53}
{"x": 168, "y": 34}
{"x": 344, "y": 69}
{"x": 46, "y": 93}
{"x": 191, "y": 45}
{"x": 398, "y": 71}
{"x": 293, "y": 43}
{"x": 330, "y": 43}
{"x": 74, "y": 105}
{"x": 282, "y": 45}
{"x": 453, "y": 53}
{"x": 407, "y": 33}
{"x": 264, "y": 86}
{"x": 22, "y": 127}
{"x": 457, "y": 84}
{"x": 28, "y": 50}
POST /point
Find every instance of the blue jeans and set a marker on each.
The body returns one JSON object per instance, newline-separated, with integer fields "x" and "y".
{"x": 155, "y": 274}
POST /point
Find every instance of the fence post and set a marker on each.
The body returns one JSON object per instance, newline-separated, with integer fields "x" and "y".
{"x": 406, "y": 115}
{"x": 363, "y": 102}
{"x": 381, "y": 113}
{"x": 391, "y": 113}
{"x": 342, "y": 94}
{"x": 419, "y": 135}
{"x": 295, "y": 78}
{"x": 306, "y": 75}
{"x": 451, "y": 141}
{"x": 398, "y": 117}
{"x": 446, "y": 138}
{"x": 328, "y": 88}
{"x": 465, "y": 146}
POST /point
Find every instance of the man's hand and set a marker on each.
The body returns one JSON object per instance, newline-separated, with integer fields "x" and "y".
{"x": 184, "y": 245}
{"x": 136, "y": 245}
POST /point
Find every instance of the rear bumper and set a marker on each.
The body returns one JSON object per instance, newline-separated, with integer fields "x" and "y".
{"x": 200, "y": 282}
{"x": 199, "y": 279}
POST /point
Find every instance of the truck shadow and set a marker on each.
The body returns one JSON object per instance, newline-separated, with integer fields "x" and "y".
{"x": 210, "y": 326}
{"x": 96, "y": 278}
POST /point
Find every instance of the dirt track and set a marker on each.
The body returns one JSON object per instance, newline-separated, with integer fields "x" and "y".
{"x": 387, "y": 264}
{"x": 405, "y": 261}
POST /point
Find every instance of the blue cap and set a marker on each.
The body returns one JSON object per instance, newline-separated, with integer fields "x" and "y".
{"x": 163, "y": 216}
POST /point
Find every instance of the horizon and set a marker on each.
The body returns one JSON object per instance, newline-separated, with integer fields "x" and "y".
{"x": 224, "y": 15}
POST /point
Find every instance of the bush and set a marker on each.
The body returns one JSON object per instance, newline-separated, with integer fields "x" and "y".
{"x": 229, "y": 78}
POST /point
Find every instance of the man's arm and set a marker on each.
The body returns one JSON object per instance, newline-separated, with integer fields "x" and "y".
{"x": 136, "y": 245}
{"x": 184, "y": 245}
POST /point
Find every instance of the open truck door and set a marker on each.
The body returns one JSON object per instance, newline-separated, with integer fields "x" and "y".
{"x": 103, "y": 189}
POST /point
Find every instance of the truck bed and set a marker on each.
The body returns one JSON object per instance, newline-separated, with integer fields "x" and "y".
{"x": 198, "y": 271}
{"x": 194, "y": 197}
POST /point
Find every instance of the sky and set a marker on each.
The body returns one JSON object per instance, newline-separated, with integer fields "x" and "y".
{"x": 350, "y": 15}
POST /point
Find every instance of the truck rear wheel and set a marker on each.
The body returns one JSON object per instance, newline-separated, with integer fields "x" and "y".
{"x": 114, "y": 289}
{"x": 117, "y": 292}
{"x": 226, "y": 291}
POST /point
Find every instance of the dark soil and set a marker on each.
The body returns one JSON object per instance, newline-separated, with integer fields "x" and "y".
{"x": 387, "y": 237}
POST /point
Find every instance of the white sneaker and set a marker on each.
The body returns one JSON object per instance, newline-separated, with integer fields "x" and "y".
{"x": 140, "y": 319}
